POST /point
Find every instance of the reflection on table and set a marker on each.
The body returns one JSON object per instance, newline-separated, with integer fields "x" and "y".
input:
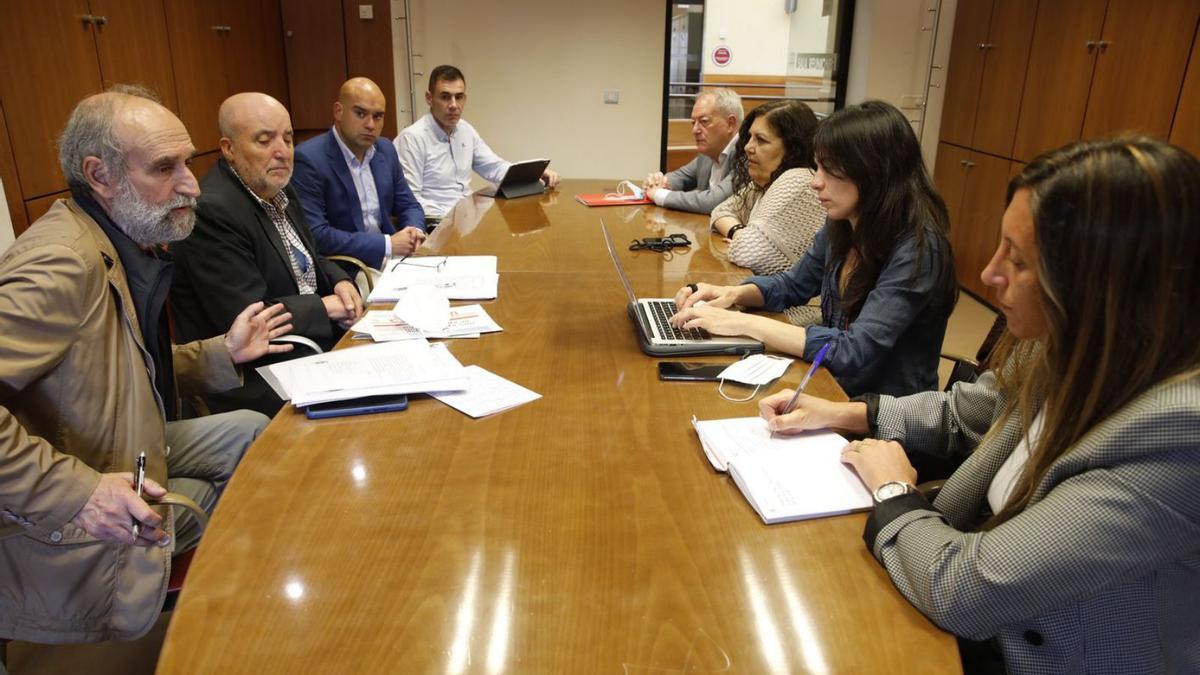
{"x": 581, "y": 533}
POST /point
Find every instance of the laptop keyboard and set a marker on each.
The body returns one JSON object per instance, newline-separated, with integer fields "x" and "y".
{"x": 661, "y": 311}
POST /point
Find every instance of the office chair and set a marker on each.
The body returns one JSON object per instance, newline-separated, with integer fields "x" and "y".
{"x": 355, "y": 267}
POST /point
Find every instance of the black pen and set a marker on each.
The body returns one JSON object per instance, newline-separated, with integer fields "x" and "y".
{"x": 138, "y": 481}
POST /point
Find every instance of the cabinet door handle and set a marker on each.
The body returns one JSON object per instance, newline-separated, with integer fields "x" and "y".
{"x": 1104, "y": 45}
{"x": 1091, "y": 44}
{"x": 100, "y": 20}
{"x": 970, "y": 165}
{"x": 87, "y": 19}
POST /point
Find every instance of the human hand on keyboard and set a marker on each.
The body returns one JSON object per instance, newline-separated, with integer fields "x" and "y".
{"x": 715, "y": 320}
{"x": 713, "y": 296}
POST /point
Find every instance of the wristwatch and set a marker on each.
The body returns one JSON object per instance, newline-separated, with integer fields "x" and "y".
{"x": 890, "y": 489}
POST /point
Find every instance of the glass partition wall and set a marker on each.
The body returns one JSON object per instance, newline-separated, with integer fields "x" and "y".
{"x": 763, "y": 49}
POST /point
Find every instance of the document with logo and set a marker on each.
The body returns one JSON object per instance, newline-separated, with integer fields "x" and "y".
{"x": 787, "y": 477}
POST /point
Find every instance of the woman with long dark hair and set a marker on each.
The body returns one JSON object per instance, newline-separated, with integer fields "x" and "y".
{"x": 881, "y": 265}
{"x": 773, "y": 214}
{"x": 1069, "y": 539}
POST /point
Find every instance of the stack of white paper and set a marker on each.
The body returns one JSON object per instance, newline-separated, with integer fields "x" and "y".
{"x": 468, "y": 277}
{"x": 787, "y": 477}
{"x": 468, "y": 321}
{"x": 386, "y": 368}
{"x": 383, "y": 326}
{"x": 486, "y": 394}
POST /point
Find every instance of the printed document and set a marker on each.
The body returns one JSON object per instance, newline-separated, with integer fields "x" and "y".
{"x": 464, "y": 277}
{"x": 487, "y": 393}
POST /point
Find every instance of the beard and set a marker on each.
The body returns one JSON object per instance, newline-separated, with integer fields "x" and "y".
{"x": 151, "y": 224}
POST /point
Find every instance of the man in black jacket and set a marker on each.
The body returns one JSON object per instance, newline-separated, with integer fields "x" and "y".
{"x": 251, "y": 243}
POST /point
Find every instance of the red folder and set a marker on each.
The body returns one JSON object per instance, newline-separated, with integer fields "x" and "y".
{"x": 611, "y": 199}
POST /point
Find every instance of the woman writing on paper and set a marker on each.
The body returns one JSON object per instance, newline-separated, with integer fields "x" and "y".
{"x": 1069, "y": 540}
{"x": 773, "y": 214}
{"x": 881, "y": 265}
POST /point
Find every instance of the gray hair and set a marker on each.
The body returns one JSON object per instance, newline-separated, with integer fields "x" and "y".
{"x": 726, "y": 102}
{"x": 89, "y": 133}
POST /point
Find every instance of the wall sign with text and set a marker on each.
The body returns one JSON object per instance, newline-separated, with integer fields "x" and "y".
{"x": 721, "y": 56}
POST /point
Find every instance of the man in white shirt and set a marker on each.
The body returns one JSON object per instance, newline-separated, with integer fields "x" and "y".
{"x": 439, "y": 150}
{"x": 707, "y": 180}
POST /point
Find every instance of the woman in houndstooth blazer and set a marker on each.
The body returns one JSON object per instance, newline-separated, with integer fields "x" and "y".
{"x": 1070, "y": 536}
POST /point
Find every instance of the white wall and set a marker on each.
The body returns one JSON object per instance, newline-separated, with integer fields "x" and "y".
{"x": 536, "y": 71}
{"x": 889, "y": 60}
{"x": 755, "y": 31}
{"x": 6, "y": 226}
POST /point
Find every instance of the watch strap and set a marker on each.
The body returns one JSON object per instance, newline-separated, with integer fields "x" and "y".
{"x": 872, "y": 401}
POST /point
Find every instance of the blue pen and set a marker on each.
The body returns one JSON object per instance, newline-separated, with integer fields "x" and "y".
{"x": 804, "y": 383}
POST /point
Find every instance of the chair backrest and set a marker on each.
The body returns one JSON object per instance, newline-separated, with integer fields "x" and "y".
{"x": 969, "y": 370}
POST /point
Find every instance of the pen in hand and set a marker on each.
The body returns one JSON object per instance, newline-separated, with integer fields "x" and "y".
{"x": 791, "y": 405}
{"x": 138, "y": 481}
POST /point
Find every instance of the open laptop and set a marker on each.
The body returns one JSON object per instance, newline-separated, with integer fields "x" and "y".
{"x": 656, "y": 334}
{"x": 521, "y": 180}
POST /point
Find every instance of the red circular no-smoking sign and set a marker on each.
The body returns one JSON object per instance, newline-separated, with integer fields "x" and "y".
{"x": 722, "y": 56}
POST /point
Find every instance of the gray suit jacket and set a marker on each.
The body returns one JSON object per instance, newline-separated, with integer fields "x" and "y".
{"x": 1099, "y": 574}
{"x": 690, "y": 188}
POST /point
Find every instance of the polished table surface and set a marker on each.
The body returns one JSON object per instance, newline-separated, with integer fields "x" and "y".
{"x": 582, "y": 533}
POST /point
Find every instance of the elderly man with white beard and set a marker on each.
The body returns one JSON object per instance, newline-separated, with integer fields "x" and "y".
{"x": 90, "y": 382}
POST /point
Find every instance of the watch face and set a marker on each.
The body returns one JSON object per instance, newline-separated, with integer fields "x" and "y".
{"x": 889, "y": 490}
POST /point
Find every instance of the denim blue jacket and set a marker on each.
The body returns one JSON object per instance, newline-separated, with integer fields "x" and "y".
{"x": 892, "y": 347}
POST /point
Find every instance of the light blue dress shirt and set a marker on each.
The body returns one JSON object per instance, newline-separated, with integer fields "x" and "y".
{"x": 368, "y": 195}
{"x": 438, "y": 165}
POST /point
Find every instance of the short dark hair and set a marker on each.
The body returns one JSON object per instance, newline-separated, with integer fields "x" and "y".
{"x": 445, "y": 73}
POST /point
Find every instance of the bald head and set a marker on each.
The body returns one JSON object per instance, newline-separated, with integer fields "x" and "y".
{"x": 358, "y": 114}
{"x": 256, "y": 140}
{"x": 132, "y": 155}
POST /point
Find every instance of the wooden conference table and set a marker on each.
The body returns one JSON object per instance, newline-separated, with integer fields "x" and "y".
{"x": 580, "y": 533}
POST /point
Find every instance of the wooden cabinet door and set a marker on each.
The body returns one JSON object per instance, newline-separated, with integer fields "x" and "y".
{"x": 1185, "y": 132}
{"x": 1140, "y": 68}
{"x": 1003, "y": 78}
{"x": 1059, "y": 75}
{"x": 49, "y": 58}
{"x": 133, "y": 48}
{"x": 315, "y": 45}
{"x": 194, "y": 28}
{"x": 254, "y": 48}
{"x": 979, "y": 219}
{"x": 949, "y": 176}
{"x": 965, "y": 69}
{"x": 369, "y": 53}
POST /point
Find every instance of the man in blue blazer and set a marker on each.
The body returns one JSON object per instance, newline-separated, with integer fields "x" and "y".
{"x": 351, "y": 185}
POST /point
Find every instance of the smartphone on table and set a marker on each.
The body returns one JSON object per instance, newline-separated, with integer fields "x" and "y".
{"x": 690, "y": 371}
{"x": 357, "y": 406}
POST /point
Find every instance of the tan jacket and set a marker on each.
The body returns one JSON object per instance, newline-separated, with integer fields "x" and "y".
{"x": 76, "y": 400}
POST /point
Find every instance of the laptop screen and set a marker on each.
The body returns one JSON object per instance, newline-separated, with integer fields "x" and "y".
{"x": 612, "y": 252}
